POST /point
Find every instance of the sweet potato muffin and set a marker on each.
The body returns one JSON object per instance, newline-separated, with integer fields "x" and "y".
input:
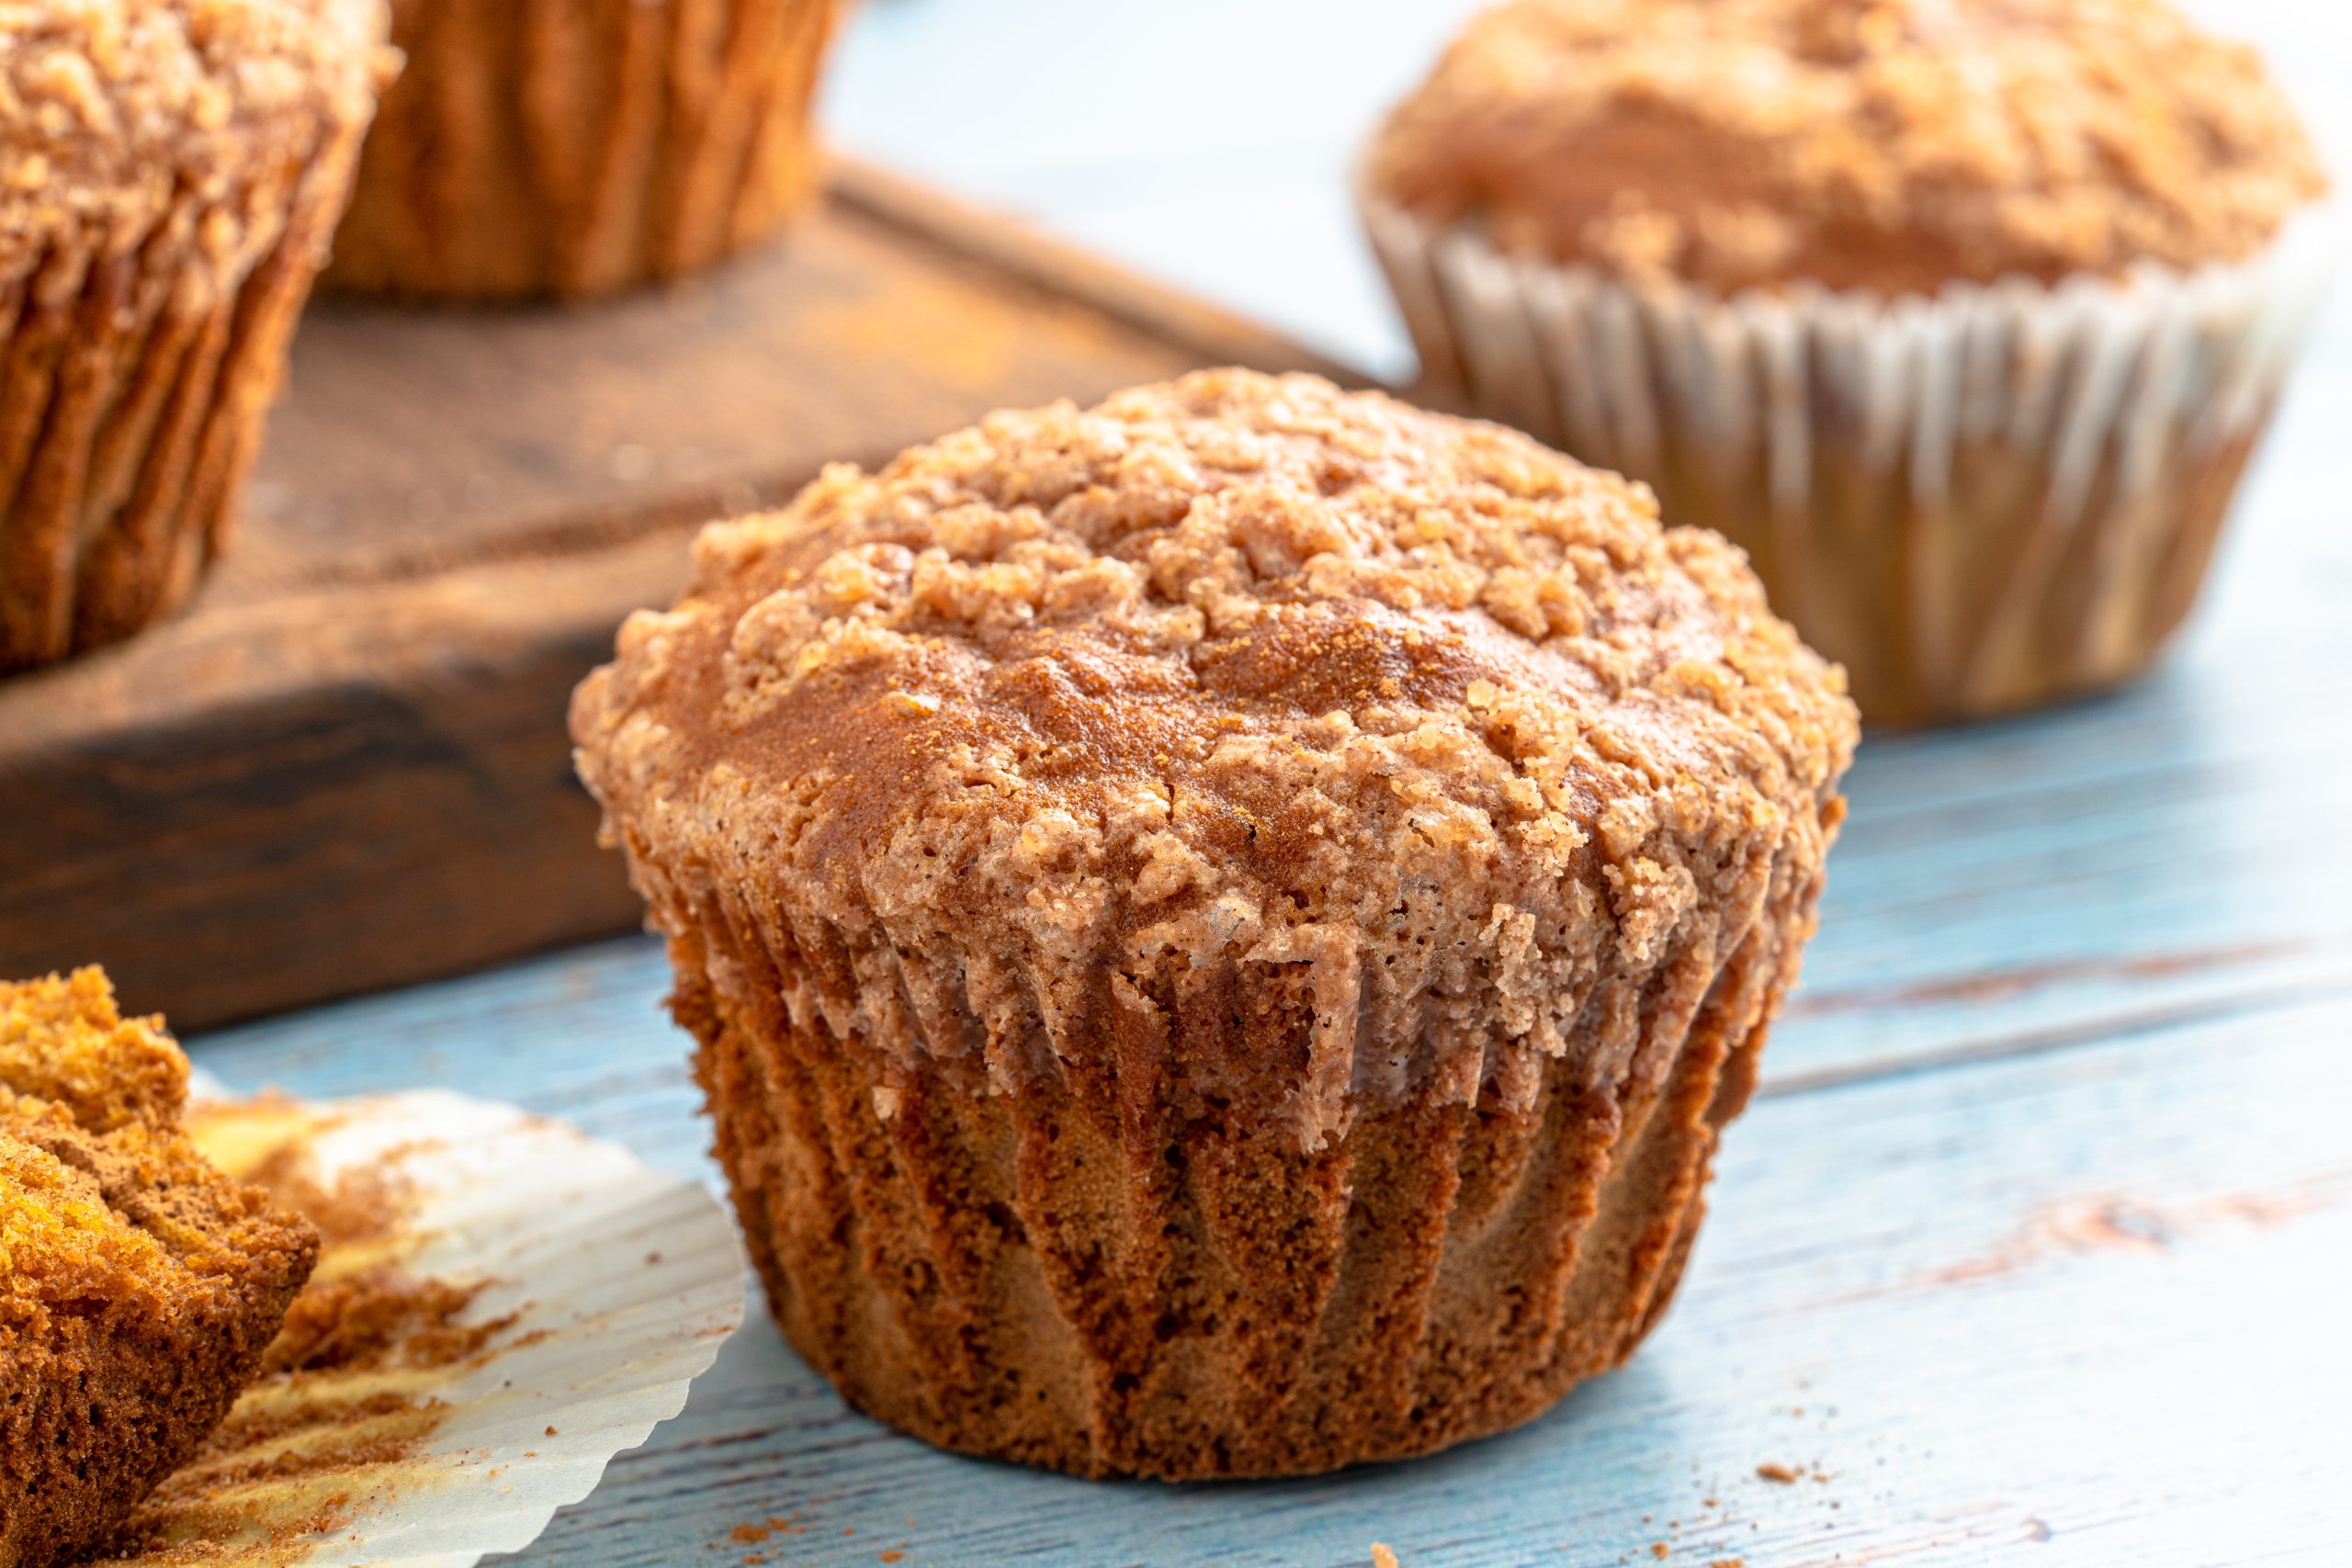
{"x": 1221, "y": 928}
{"x": 1962, "y": 318}
{"x": 138, "y": 1287}
{"x": 577, "y": 149}
{"x": 170, "y": 171}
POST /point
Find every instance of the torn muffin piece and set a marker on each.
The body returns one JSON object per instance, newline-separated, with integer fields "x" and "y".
{"x": 139, "y": 1287}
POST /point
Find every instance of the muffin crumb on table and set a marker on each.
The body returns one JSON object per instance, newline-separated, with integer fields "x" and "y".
{"x": 1190, "y": 907}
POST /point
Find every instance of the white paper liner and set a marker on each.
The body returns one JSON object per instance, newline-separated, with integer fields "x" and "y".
{"x": 2054, "y": 459}
{"x": 623, "y": 1282}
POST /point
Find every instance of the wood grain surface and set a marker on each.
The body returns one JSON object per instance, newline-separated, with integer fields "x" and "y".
{"x": 2036, "y": 1245}
{"x": 346, "y": 767}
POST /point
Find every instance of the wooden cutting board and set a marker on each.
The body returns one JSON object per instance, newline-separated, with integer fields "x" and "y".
{"x": 346, "y": 766}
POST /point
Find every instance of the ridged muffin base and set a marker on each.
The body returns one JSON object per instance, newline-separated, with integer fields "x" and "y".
{"x": 1048, "y": 1277}
{"x": 135, "y": 377}
{"x": 578, "y": 149}
{"x": 1981, "y": 503}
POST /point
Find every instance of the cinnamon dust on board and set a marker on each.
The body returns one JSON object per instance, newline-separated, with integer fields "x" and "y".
{"x": 347, "y": 1402}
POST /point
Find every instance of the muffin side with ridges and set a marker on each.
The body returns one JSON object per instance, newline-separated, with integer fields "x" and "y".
{"x": 179, "y": 170}
{"x": 1220, "y": 927}
{"x": 574, "y": 151}
{"x": 138, "y": 1286}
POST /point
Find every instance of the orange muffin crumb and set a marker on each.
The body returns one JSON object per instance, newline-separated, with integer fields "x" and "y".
{"x": 138, "y": 1286}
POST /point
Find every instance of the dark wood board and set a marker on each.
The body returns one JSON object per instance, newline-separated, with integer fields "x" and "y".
{"x": 346, "y": 767}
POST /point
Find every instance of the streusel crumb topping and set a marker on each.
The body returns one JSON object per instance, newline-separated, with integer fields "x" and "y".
{"x": 116, "y": 113}
{"x": 1893, "y": 144}
{"x": 1062, "y": 713}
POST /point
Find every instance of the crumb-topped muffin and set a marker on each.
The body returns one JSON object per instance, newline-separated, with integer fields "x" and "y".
{"x": 1222, "y": 927}
{"x": 1961, "y": 317}
{"x": 577, "y": 149}
{"x": 138, "y": 1287}
{"x": 170, "y": 171}
{"x": 1896, "y": 145}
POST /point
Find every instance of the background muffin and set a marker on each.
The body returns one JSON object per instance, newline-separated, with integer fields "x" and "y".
{"x": 1962, "y": 318}
{"x": 1221, "y": 928}
{"x": 173, "y": 172}
{"x": 577, "y": 149}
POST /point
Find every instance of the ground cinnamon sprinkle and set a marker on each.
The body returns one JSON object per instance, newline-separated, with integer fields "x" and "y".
{"x": 1778, "y": 1474}
{"x": 345, "y": 1404}
{"x": 376, "y": 1316}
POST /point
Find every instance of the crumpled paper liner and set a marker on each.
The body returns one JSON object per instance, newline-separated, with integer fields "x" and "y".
{"x": 1980, "y": 501}
{"x": 605, "y": 1288}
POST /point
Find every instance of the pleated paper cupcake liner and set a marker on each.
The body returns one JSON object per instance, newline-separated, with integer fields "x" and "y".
{"x": 1994, "y": 498}
{"x": 990, "y": 1200}
{"x": 582, "y": 1292}
{"x": 135, "y": 374}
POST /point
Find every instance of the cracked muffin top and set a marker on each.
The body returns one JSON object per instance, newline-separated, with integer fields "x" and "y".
{"x": 1890, "y": 144}
{"x": 1235, "y": 670}
{"x": 115, "y": 112}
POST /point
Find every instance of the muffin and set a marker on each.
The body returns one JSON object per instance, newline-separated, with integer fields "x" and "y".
{"x": 580, "y": 148}
{"x": 138, "y": 1286}
{"x": 1962, "y": 319}
{"x": 170, "y": 171}
{"x": 1220, "y": 929}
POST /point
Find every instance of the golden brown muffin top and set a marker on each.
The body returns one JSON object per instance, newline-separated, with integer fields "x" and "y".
{"x": 1234, "y": 669}
{"x": 1890, "y": 144}
{"x": 103, "y": 1199}
{"x": 115, "y": 112}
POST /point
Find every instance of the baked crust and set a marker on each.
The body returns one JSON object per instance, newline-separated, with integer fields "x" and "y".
{"x": 115, "y": 115}
{"x": 1896, "y": 145}
{"x": 580, "y": 149}
{"x": 1094, "y": 845}
{"x": 138, "y": 1287}
{"x": 177, "y": 169}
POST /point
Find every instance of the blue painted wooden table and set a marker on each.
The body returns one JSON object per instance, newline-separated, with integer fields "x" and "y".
{"x": 2037, "y": 1244}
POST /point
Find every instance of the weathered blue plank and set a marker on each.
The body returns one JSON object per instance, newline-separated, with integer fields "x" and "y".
{"x": 2074, "y": 1293}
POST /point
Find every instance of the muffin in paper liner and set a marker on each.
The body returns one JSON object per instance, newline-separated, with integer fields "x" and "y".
{"x": 1978, "y": 501}
{"x": 501, "y": 1305}
{"x": 580, "y": 149}
{"x": 1222, "y": 928}
{"x": 170, "y": 195}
